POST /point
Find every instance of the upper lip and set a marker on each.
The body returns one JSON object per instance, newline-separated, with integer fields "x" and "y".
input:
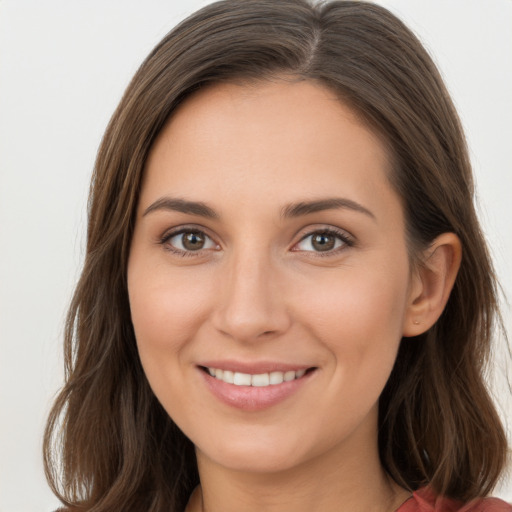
{"x": 254, "y": 367}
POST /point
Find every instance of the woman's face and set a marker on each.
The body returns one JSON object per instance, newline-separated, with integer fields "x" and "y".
{"x": 269, "y": 250}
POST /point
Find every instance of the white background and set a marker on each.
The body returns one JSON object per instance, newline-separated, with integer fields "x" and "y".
{"x": 63, "y": 67}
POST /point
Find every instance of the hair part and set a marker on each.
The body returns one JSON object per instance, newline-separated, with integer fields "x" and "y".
{"x": 437, "y": 423}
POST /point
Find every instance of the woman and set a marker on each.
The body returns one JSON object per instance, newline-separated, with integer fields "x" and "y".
{"x": 286, "y": 301}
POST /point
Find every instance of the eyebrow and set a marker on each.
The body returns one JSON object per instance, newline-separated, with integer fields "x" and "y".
{"x": 334, "y": 203}
{"x": 289, "y": 211}
{"x": 183, "y": 206}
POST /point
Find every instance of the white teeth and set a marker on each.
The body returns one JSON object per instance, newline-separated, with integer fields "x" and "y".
{"x": 276, "y": 377}
{"x": 242, "y": 379}
{"x": 258, "y": 380}
{"x": 289, "y": 376}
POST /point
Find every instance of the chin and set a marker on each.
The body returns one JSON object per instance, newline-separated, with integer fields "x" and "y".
{"x": 263, "y": 457}
{"x": 255, "y": 463}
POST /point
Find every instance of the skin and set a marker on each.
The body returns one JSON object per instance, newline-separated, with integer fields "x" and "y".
{"x": 259, "y": 290}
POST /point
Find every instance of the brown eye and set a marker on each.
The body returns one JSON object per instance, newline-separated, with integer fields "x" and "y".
{"x": 189, "y": 241}
{"x": 323, "y": 242}
{"x": 193, "y": 241}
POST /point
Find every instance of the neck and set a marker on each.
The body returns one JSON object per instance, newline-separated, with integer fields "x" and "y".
{"x": 356, "y": 482}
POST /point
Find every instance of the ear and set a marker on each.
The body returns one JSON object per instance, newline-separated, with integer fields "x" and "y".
{"x": 431, "y": 284}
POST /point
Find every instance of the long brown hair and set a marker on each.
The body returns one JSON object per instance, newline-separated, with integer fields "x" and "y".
{"x": 109, "y": 445}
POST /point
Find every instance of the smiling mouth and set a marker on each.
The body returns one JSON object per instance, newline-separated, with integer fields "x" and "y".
{"x": 256, "y": 380}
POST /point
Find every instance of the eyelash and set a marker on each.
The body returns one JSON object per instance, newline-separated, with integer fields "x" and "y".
{"x": 344, "y": 237}
{"x": 164, "y": 240}
{"x": 346, "y": 241}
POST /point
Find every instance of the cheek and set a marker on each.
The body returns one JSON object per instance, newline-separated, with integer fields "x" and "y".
{"x": 167, "y": 310}
{"x": 358, "y": 316}
{"x": 366, "y": 301}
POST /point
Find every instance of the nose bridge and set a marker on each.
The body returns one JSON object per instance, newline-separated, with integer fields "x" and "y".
{"x": 251, "y": 302}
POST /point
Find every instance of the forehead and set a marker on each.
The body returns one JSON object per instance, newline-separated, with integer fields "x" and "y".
{"x": 273, "y": 140}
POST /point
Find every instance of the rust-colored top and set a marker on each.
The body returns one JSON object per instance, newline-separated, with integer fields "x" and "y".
{"x": 424, "y": 500}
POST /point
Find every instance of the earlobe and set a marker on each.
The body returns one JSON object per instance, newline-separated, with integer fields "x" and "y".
{"x": 432, "y": 283}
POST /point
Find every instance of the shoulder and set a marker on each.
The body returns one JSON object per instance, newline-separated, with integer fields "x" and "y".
{"x": 424, "y": 500}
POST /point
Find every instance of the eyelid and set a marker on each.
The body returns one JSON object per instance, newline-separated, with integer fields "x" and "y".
{"x": 175, "y": 231}
{"x": 347, "y": 239}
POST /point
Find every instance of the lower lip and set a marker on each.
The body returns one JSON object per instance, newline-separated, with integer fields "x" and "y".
{"x": 253, "y": 398}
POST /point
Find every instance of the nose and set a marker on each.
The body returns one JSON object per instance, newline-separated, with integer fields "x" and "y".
{"x": 251, "y": 303}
